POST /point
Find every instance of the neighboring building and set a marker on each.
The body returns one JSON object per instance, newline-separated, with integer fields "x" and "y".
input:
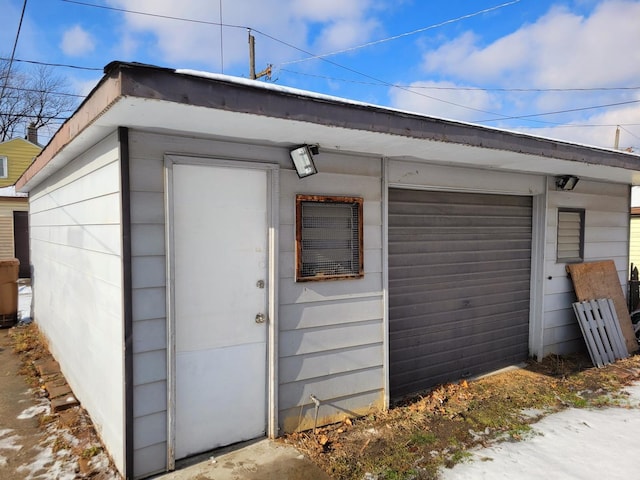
{"x": 197, "y": 291}
{"x": 15, "y": 156}
{"x": 634, "y": 243}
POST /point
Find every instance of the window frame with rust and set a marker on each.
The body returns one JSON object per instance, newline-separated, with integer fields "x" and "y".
{"x": 356, "y": 269}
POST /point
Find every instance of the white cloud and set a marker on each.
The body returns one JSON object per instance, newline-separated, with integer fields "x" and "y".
{"x": 345, "y": 33}
{"x": 597, "y": 135}
{"x": 329, "y": 10}
{"x": 421, "y": 97}
{"x": 77, "y": 42}
{"x": 317, "y": 25}
{"x": 560, "y": 49}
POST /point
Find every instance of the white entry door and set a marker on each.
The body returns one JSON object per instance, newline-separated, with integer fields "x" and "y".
{"x": 220, "y": 305}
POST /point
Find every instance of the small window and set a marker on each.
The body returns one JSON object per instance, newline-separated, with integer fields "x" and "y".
{"x": 328, "y": 238}
{"x": 570, "y": 235}
{"x": 4, "y": 172}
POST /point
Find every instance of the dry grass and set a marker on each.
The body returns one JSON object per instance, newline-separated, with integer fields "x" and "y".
{"x": 416, "y": 438}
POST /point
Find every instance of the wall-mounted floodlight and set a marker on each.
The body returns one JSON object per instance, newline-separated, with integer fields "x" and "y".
{"x": 302, "y": 158}
{"x": 566, "y": 182}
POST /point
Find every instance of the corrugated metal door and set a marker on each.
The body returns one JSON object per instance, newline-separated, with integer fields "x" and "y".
{"x": 459, "y": 276}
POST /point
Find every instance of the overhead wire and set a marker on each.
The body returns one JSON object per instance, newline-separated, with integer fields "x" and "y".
{"x": 630, "y": 133}
{"x": 401, "y": 35}
{"x": 156, "y": 15}
{"x": 352, "y": 70}
{"x": 410, "y": 89}
{"x": 63, "y": 65}
{"x": 13, "y": 51}
{"x": 457, "y": 88}
{"x": 560, "y": 111}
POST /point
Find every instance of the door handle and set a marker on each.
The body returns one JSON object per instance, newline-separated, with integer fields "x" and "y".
{"x": 261, "y": 318}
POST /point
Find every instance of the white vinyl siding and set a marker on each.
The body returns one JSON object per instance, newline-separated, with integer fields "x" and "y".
{"x": 76, "y": 240}
{"x": 606, "y": 234}
{"x": 331, "y": 333}
{"x": 147, "y": 152}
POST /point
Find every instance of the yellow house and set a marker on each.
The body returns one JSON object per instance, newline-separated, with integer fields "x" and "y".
{"x": 15, "y": 156}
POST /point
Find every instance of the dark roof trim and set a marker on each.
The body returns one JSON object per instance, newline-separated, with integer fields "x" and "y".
{"x": 164, "y": 84}
{"x": 151, "y": 82}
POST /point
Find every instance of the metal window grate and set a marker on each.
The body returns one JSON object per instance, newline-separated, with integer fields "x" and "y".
{"x": 329, "y": 237}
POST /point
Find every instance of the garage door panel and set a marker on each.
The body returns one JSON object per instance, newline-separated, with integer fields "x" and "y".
{"x": 459, "y": 285}
{"x": 419, "y": 245}
{"x": 405, "y": 272}
{"x": 441, "y": 371}
{"x": 442, "y": 340}
{"x": 456, "y": 257}
{"x": 447, "y": 221}
{"x": 447, "y": 289}
{"x": 458, "y": 279}
{"x": 431, "y": 304}
{"x": 419, "y": 332}
{"x": 400, "y": 196}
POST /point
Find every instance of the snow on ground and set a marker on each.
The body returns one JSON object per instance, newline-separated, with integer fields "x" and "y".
{"x": 24, "y": 302}
{"x": 7, "y": 443}
{"x": 580, "y": 444}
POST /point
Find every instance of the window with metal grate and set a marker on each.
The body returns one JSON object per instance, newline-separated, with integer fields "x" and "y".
{"x": 328, "y": 237}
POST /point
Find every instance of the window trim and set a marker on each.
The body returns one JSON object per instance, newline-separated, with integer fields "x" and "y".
{"x": 580, "y": 258}
{"x": 358, "y": 201}
{"x": 5, "y": 166}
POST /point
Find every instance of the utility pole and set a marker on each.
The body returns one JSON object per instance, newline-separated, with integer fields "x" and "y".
{"x": 252, "y": 61}
{"x": 616, "y": 142}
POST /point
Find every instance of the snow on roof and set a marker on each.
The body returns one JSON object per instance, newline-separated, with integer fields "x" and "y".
{"x": 11, "y": 192}
{"x": 330, "y": 98}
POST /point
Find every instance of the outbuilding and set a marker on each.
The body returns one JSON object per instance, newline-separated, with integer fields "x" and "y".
{"x": 198, "y": 290}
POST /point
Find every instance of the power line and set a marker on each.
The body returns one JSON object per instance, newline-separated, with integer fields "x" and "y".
{"x": 156, "y": 15}
{"x": 632, "y": 134}
{"x": 560, "y": 111}
{"x": 13, "y": 52}
{"x": 406, "y": 34}
{"x": 64, "y": 65}
{"x": 34, "y": 90}
{"x": 479, "y": 89}
{"x": 321, "y": 57}
{"x": 275, "y": 40}
{"x": 221, "y": 40}
{"x": 379, "y": 81}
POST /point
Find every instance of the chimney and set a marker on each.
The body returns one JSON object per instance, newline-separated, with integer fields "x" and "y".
{"x": 32, "y": 133}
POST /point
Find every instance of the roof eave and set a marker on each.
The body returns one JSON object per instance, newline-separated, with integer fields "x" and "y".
{"x": 146, "y": 82}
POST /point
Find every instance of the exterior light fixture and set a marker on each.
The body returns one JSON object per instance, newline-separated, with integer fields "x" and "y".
{"x": 566, "y": 182}
{"x": 302, "y": 158}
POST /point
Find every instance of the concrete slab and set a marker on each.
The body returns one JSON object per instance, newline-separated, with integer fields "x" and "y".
{"x": 259, "y": 460}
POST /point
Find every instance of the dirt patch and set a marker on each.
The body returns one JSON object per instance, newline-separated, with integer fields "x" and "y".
{"x": 71, "y": 438}
{"x": 422, "y": 434}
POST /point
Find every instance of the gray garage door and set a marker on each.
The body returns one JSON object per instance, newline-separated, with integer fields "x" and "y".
{"x": 459, "y": 274}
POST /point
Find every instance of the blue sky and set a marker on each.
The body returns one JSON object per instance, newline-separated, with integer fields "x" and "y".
{"x": 480, "y": 61}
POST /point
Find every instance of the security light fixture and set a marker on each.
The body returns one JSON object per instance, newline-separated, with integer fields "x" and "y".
{"x": 302, "y": 158}
{"x": 566, "y": 182}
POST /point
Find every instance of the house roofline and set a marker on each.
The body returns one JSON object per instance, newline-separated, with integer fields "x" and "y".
{"x": 148, "y": 82}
